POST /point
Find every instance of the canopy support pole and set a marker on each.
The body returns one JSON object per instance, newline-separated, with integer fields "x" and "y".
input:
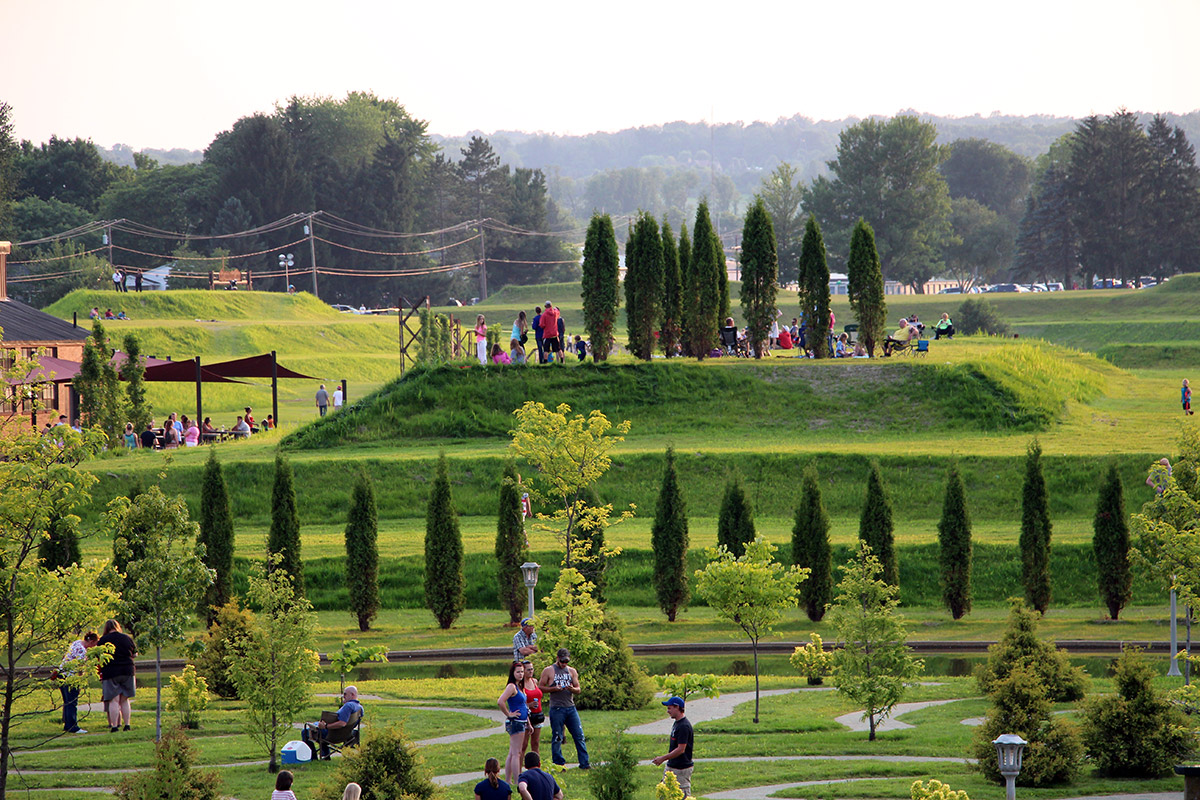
{"x": 199, "y": 403}
{"x": 275, "y": 388}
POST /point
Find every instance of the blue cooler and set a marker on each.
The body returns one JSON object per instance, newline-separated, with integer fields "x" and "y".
{"x": 295, "y": 752}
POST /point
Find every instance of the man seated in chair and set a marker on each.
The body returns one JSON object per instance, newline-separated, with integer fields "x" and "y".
{"x": 318, "y": 733}
{"x": 900, "y": 338}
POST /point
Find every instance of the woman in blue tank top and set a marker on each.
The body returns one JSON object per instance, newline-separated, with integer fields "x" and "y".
{"x": 516, "y": 712}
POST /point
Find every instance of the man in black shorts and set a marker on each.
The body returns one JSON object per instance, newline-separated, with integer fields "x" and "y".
{"x": 551, "y": 341}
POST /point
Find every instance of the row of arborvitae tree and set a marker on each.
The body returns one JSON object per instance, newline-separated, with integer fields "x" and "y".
{"x": 679, "y": 294}
{"x": 811, "y": 548}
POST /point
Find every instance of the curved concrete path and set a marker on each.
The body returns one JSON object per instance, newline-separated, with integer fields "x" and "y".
{"x": 855, "y": 722}
{"x": 706, "y": 709}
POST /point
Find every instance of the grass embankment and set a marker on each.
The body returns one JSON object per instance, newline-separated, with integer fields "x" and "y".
{"x": 1017, "y": 387}
{"x": 196, "y": 304}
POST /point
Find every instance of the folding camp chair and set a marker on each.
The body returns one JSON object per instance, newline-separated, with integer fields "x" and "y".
{"x": 922, "y": 347}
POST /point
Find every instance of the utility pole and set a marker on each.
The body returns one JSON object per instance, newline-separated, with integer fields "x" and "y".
{"x": 108, "y": 241}
{"x": 482, "y": 262}
{"x": 312, "y": 251}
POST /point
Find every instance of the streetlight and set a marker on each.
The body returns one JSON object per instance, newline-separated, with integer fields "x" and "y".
{"x": 1009, "y": 749}
{"x": 286, "y": 262}
{"x": 1174, "y": 670}
{"x": 530, "y": 572}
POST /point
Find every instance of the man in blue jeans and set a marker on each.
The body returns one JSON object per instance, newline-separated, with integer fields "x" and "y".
{"x": 561, "y": 682}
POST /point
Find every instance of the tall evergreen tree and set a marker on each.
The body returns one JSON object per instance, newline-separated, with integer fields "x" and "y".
{"x": 1111, "y": 543}
{"x": 735, "y": 525}
{"x": 601, "y": 291}
{"x": 1172, "y": 237}
{"x": 643, "y": 284}
{"x": 362, "y": 553}
{"x": 133, "y": 372}
{"x": 669, "y": 541}
{"x": 760, "y": 269}
{"x": 672, "y": 296}
{"x": 510, "y": 545}
{"x": 875, "y": 526}
{"x": 60, "y": 548}
{"x": 1034, "y": 541}
{"x": 810, "y": 547}
{"x": 722, "y": 278}
{"x": 954, "y": 547}
{"x": 284, "y": 536}
{"x": 99, "y": 386}
{"x": 1047, "y": 242}
{"x": 216, "y": 534}
{"x": 593, "y": 564}
{"x": 705, "y": 266}
{"x": 814, "y": 296}
{"x": 444, "y": 581}
{"x": 687, "y": 292}
{"x": 865, "y": 286}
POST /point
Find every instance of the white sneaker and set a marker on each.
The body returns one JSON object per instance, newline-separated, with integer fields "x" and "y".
{"x": 79, "y": 730}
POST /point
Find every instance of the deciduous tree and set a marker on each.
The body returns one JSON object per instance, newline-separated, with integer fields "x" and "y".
{"x": 165, "y": 575}
{"x": 752, "y": 591}
{"x": 873, "y": 666}
{"x": 781, "y": 193}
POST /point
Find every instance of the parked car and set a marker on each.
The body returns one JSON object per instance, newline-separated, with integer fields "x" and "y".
{"x": 1108, "y": 283}
{"x": 1054, "y": 287}
{"x": 340, "y": 307}
{"x": 951, "y": 290}
{"x": 1006, "y": 287}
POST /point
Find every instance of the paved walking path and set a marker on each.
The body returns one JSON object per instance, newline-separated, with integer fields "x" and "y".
{"x": 706, "y": 709}
{"x": 855, "y": 722}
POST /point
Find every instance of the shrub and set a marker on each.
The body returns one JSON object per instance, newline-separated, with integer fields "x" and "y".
{"x": 1020, "y": 647}
{"x": 668, "y": 788}
{"x": 688, "y": 685}
{"x": 386, "y": 765}
{"x": 935, "y": 790}
{"x": 188, "y": 696}
{"x": 172, "y": 777}
{"x": 1020, "y": 706}
{"x": 615, "y": 682}
{"x": 219, "y": 646}
{"x": 979, "y": 316}
{"x": 1135, "y": 733}
{"x": 613, "y": 778}
{"x": 812, "y": 661}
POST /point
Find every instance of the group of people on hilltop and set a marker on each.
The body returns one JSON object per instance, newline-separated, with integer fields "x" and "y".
{"x": 120, "y": 282}
{"x": 549, "y": 330}
{"x": 107, "y": 315}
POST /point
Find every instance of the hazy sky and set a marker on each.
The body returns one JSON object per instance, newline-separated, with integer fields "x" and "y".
{"x": 174, "y": 74}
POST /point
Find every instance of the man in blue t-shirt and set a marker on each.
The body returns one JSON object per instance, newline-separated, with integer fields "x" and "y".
{"x": 318, "y": 732}
{"x": 537, "y": 334}
{"x": 535, "y": 783}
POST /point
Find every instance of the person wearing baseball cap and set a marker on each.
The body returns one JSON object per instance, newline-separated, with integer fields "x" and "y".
{"x": 679, "y": 759}
{"x": 561, "y": 681}
{"x": 525, "y": 641}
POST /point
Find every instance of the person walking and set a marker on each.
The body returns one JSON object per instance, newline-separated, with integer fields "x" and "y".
{"x": 561, "y": 681}
{"x": 550, "y": 341}
{"x": 516, "y": 717}
{"x": 322, "y": 400}
{"x": 678, "y": 759}
{"x": 338, "y": 397}
{"x": 491, "y": 787}
{"x": 525, "y": 640}
{"x": 70, "y": 694}
{"x": 117, "y": 681}
{"x": 137, "y": 281}
{"x": 535, "y": 783}
{"x": 1185, "y": 397}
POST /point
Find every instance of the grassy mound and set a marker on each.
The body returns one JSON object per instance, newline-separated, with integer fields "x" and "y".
{"x": 1161, "y": 355}
{"x": 196, "y": 304}
{"x": 1021, "y": 387}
